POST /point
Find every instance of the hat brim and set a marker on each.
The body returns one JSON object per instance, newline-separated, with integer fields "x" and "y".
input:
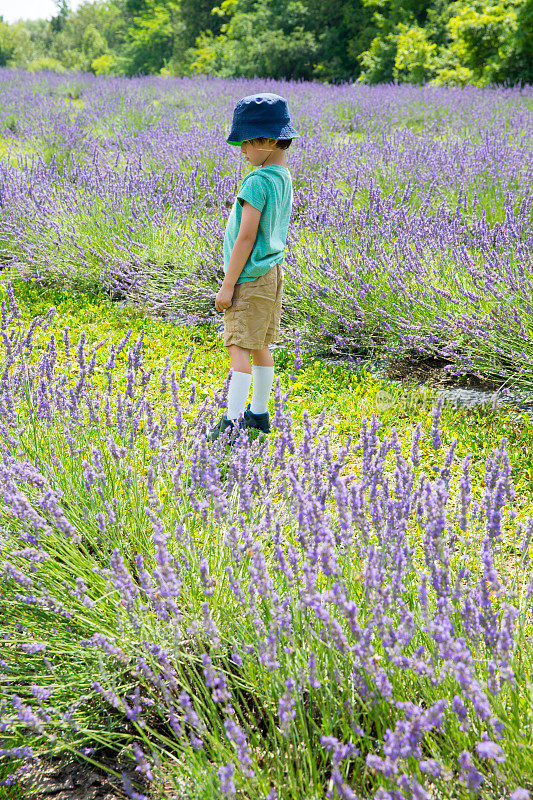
{"x": 240, "y": 134}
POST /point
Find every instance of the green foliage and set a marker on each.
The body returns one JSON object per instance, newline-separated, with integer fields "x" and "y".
{"x": 483, "y": 41}
{"x": 379, "y": 60}
{"x": 10, "y": 123}
{"x": 520, "y": 66}
{"x": 14, "y": 41}
{"x": 374, "y": 41}
{"x": 94, "y": 31}
{"x": 415, "y": 55}
{"x": 461, "y": 42}
{"x": 269, "y": 41}
{"x": 36, "y": 42}
{"x": 197, "y": 17}
{"x": 70, "y": 41}
{"x": 44, "y": 63}
{"x": 57, "y": 23}
{"x": 390, "y": 13}
{"x": 103, "y": 65}
{"x": 152, "y": 36}
{"x": 93, "y": 44}
{"x": 342, "y": 31}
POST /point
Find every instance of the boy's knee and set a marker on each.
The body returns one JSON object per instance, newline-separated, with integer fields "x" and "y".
{"x": 237, "y": 349}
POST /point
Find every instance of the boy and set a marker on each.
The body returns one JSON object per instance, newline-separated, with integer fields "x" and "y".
{"x": 254, "y": 245}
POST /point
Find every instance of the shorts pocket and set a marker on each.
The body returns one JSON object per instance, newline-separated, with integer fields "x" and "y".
{"x": 272, "y": 275}
{"x": 235, "y": 316}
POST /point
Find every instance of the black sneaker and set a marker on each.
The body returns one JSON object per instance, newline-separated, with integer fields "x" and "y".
{"x": 222, "y": 425}
{"x": 259, "y": 421}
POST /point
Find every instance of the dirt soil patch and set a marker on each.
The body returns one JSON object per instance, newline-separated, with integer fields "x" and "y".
{"x": 436, "y": 372}
{"x": 58, "y": 779}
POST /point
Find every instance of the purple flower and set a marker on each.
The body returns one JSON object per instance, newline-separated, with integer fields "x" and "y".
{"x": 33, "y": 647}
{"x": 40, "y": 692}
{"x": 430, "y": 767}
{"x": 237, "y": 736}
{"x": 286, "y": 710}
{"x": 227, "y": 784}
{"x": 435, "y": 429}
{"x": 348, "y": 562}
{"x": 130, "y": 791}
{"x": 491, "y": 750}
{"x": 215, "y": 680}
{"x": 26, "y": 715}
{"x": 471, "y": 776}
{"x": 297, "y": 350}
{"x": 143, "y": 765}
{"x": 207, "y": 582}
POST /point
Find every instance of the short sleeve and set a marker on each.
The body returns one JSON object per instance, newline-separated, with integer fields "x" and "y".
{"x": 254, "y": 192}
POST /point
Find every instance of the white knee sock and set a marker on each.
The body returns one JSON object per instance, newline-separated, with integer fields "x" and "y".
{"x": 239, "y": 386}
{"x": 263, "y": 380}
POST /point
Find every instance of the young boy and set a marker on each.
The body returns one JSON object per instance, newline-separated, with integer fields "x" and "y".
{"x": 254, "y": 245}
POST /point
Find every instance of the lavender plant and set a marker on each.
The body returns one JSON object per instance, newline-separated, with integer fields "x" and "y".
{"x": 279, "y": 618}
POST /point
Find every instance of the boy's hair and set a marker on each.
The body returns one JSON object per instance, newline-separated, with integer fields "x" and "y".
{"x": 283, "y": 144}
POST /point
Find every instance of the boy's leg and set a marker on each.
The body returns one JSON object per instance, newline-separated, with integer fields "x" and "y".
{"x": 263, "y": 363}
{"x": 239, "y": 358}
{"x": 240, "y": 381}
{"x": 263, "y": 357}
{"x": 263, "y": 378}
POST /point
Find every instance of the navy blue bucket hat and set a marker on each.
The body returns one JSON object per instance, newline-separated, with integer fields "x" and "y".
{"x": 261, "y": 115}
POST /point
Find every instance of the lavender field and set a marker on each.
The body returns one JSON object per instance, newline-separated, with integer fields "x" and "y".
{"x": 412, "y": 220}
{"x": 343, "y": 609}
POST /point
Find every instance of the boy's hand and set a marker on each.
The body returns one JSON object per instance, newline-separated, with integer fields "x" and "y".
{"x": 223, "y": 298}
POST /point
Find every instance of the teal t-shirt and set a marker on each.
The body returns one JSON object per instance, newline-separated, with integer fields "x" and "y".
{"x": 269, "y": 189}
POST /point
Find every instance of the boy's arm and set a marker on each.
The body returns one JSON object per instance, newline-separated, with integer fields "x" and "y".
{"x": 239, "y": 255}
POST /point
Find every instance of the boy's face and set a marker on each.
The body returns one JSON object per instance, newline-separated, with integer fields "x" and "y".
{"x": 256, "y": 152}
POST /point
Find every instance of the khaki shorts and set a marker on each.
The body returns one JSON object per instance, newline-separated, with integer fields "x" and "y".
{"x": 253, "y": 319}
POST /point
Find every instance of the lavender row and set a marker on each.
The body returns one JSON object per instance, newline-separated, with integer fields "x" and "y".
{"x": 411, "y": 230}
{"x": 278, "y": 619}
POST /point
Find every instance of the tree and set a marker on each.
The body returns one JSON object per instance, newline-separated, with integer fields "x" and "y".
{"x": 379, "y": 60}
{"x": 57, "y": 23}
{"x": 93, "y": 45}
{"x": 488, "y": 42}
{"x": 198, "y": 17}
{"x": 14, "y": 44}
{"x": 464, "y": 41}
{"x": 519, "y": 67}
{"x": 266, "y": 38}
{"x": 400, "y": 46}
{"x": 94, "y": 28}
{"x": 153, "y": 34}
{"x": 342, "y": 31}
{"x": 415, "y": 60}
